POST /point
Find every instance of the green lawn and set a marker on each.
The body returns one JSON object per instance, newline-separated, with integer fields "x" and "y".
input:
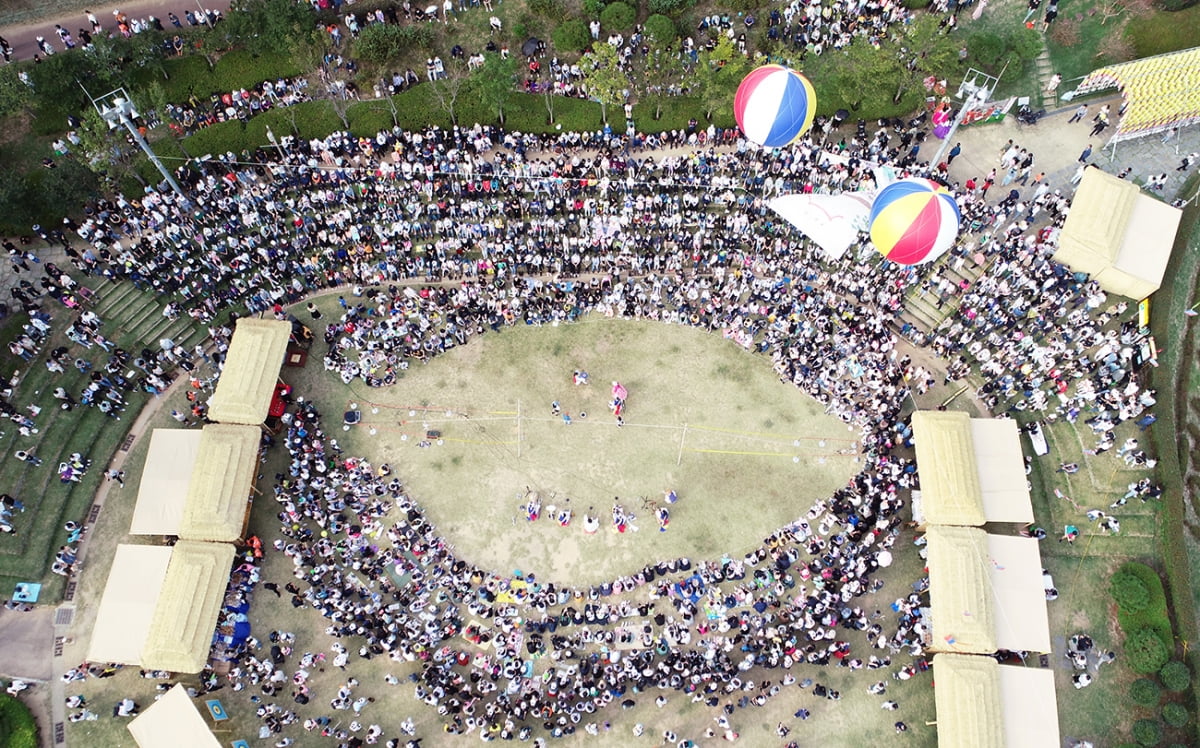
{"x": 1162, "y": 32}
{"x": 746, "y": 453}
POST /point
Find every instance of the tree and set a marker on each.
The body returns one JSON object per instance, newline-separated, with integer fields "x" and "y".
{"x": 603, "y": 77}
{"x": 15, "y": 94}
{"x": 269, "y": 26}
{"x": 659, "y": 78}
{"x": 1110, "y": 9}
{"x": 447, "y": 89}
{"x": 618, "y": 16}
{"x": 495, "y": 81}
{"x": 661, "y": 31}
{"x": 864, "y": 69}
{"x": 379, "y": 43}
{"x": 60, "y": 80}
{"x": 717, "y": 74}
{"x": 572, "y": 36}
{"x": 106, "y": 151}
{"x": 1116, "y": 46}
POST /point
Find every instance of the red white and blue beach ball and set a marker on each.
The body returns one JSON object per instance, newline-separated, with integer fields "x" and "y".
{"x": 774, "y": 106}
{"x": 914, "y": 220}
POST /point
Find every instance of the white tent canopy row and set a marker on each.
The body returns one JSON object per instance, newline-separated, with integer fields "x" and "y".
{"x": 251, "y": 368}
{"x": 981, "y": 704}
{"x": 163, "y": 488}
{"x": 196, "y": 484}
{"x": 972, "y": 470}
{"x": 1119, "y": 236}
{"x": 172, "y": 722}
{"x": 986, "y": 593}
{"x": 134, "y": 584}
{"x": 160, "y": 605}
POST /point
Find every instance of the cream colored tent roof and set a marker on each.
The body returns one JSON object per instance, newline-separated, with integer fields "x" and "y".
{"x": 1029, "y": 705}
{"x": 164, "y": 484}
{"x": 222, "y": 479}
{"x": 1001, "y": 468}
{"x": 950, "y": 491}
{"x": 127, "y": 606}
{"x": 251, "y": 369}
{"x": 172, "y": 722}
{"x": 968, "y": 702}
{"x": 1117, "y": 235}
{"x": 1014, "y": 567}
{"x": 185, "y": 618}
{"x": 960, "y": 594}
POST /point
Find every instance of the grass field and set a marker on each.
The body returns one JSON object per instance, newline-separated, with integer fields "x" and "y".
{"x": 745, "y": 453}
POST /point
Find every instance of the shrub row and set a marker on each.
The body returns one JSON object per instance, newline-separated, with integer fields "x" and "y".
{"x": 18, "y": 728}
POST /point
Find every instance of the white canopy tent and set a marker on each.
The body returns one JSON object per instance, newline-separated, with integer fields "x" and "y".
{"x": 961, "y": 606}
{"x": 972, "y": 471}
{"x": 967, "y": 699}
{"x": 1014, "y": 567}
{"x": 981, "y": 704}
{"x": 985, "y": 592}
{"x": 218, "y": 499}
{"x": 1118, "y": 235}
{"x": 181, "y": 630}
{"x": 172, "y": 722}
{"x": 251, "y": 368}
{"x": 1030, "y": 707}
{"x": 1001, "y": 468}
{"x": 164, "y": 485}
{"x": 127, "y": 606}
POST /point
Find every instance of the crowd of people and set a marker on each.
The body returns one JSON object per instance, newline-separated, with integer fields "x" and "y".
{"x": 438, "y": 236}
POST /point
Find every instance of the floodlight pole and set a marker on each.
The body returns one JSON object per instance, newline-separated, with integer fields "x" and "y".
{"x": 972, "y": 91}
{"x": 116, "y": 109}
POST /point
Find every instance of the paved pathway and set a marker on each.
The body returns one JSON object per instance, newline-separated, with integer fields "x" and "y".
{"x": 23, "y": 37}
{"x": 1056, "y": 147}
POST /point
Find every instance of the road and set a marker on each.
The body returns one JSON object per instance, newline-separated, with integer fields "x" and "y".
{"x": 23, "y": 38}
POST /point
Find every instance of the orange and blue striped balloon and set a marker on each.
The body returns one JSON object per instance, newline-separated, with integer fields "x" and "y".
{"x": 774, "y": 106}
{"x": 913, "y": 221}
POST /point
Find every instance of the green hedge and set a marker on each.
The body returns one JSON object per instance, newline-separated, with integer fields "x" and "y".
{"x": 1145, "y": 692}
{"x": 617, "y": 17}
{"x": 18, "y": 728}
{"x": 1147, "y": 732}
{"x": 572, "y": 36}
{"x": 1175, "y": 715}
{"x": 1130, "y": 592}
{"x": 1145, "y": 651}
{"x": 191, "y": 75}
{"x": 1175, "y": 676}
{"x": 1154, "y": 616}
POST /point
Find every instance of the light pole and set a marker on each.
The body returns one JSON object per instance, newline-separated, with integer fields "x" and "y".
{"x": 116, "y": 109}
{"x": 976, "y": 87}
{"x": 275, "y": 142}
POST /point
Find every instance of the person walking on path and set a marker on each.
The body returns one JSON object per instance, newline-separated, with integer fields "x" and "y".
{"x": 954, "y": 152}
{"x": 1087, "y": 153}
{"x": 1079, "y": 114}
{"x": 1188, "y": 160}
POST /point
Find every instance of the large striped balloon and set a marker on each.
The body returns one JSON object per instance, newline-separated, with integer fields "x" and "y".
{"x": 774, "y": 106}
{"x": 913, "y": 221}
